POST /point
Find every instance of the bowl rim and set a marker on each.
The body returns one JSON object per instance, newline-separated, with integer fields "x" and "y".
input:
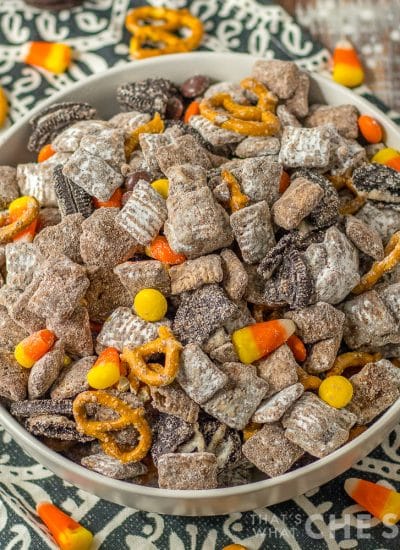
{"x": 28, "y": 441}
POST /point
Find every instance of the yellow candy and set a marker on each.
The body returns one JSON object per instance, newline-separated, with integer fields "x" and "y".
{"x": 22, "y": 357}
{"x": 150, "y": 304}
{"x": 337, "y": 391}
{"x": 348, "y": 76}
{"x": 103, "y": 376}
{"x": 161, "y": 186}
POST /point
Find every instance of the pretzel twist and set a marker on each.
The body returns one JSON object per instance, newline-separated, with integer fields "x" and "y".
{"x": 379, "y": 268}
{"x": 351, "y": 359}
{"x": 155, "y": 374}
{"x": 161, "y": 35}
{"x": 102, "y": 430}
{"x": 10, "y": 230}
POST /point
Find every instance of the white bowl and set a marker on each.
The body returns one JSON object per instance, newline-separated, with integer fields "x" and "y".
{"x": 99, "y": 90}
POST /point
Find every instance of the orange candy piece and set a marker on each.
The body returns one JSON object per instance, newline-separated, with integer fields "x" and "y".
{"x": 193, "y": 109}
{"x": 256, "y": 341}
{"x": 45, "y": 153}
{"x": 381, "y": 502}
{"x": 370, "y": 129}
{"x": 297, "y": 347}
{"x": 52, "y": 56}
{"x": 115, "y": 201}
{"x": 68, "y": 533}
{"x": 284, "y": 182}
{"x": 33, "y": 347}
{"x": 160, "y": 250}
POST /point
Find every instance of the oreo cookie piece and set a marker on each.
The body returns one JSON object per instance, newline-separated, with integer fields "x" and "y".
{"x": 168, "y": 433}
{"x": 377, "y": 182}
{"x": 150, "y": 95}
{"x": 326, "y": 213}
{"x": 223, "y": 150}
{"x": 52, "y": 120}
{"x": 71, "y": 198}
{"x": 26, "y": 409}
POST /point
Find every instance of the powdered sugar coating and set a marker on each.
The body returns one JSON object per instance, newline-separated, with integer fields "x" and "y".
{"x": 273, "y": 409}
{"x": 316, "y": 427}
{"x": 144, "y": 214}
{"x": 271, "y": 451}
{"x": 198, "y": 375}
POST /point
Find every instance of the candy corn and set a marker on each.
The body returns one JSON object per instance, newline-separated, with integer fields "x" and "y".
{"x": 45, "y": 153}
{"x": 3, "y": 107}
{"x": 160, "y": 250}
{"x": 115, "y": 201}
{"x": 52, "y": 56}
{"x": 68, "y": 533}
{"x": 106, "y": 370}
{"x": 161, "y": 186}
{"x": 15, "y": 210}
{"x": 381, "y": 502}
{"x": 297, "y": 347}
{"x": 389, "y": 157}
{"x": 370, "y": 129}
{"x": 256, "y": 341}
{"x": 347, "y": 68}
{"x": 33, "y": 347}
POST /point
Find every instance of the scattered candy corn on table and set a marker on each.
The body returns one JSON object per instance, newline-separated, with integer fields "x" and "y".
{"x": 323, "y": 518}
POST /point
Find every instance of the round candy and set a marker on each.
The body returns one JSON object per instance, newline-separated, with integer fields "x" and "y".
{"x": 150, "y": 304}
{"x": 161, "y": 186}
{"x": 337, "y": 391}
{"x": 195, "y": 85}
{"x": 370, "y": 129}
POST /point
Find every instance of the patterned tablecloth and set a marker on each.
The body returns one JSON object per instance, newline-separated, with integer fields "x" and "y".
{"x": 324, "y": 518}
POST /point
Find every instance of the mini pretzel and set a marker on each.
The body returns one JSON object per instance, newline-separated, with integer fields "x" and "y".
{"x": 379, "y": 268}
{"x": 154, "y": 126}
{"x": 238, "y": 199}
{"x": 139, "y": 17}
{"x": 351, "y": 359}
{"x": 309, "y": 381}
{"x": 155, "y": 374}
{"x": 265, "y": 123}
{"x": 162, "y": 34}
{"x": 101, "y": 429}
{"x": 29, "y": 215}
{"x": 396, "y": 362}
{"x": 267, "y": 101}
{"x": 354, "y": 205}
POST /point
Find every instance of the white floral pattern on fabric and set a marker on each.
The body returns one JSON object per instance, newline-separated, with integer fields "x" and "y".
{"x": 323, "y": 518}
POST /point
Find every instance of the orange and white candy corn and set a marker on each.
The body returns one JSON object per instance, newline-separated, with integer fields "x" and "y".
{"x": 33, "y": 347}
{"x": 256, "y": 341}
{"x": 106, "y": 371}
{"x": 68, "y": 533}
{"x": 52, "y": 56}
{"x": 347, "y": 68}
{"x": 381, "y": 502}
